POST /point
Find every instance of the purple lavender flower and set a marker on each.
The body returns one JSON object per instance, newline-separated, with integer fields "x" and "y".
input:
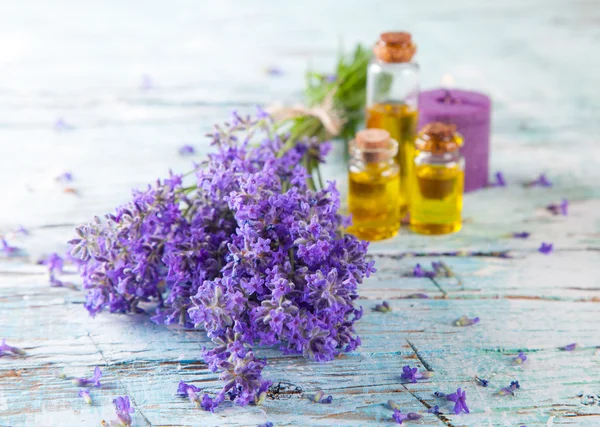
{"x": 540, "y": 181}
{"x": 187, "y": 150}
{"x": 6, "y": 349}
{"x": 190, "y": 391}
{"x": 399, "y": 417}
{"x": 274, "y": 71}
{"x": 209, "y": 404}
{"x": 266, "y": 424}
{"x": 482, "y": 382}
{"x": 383, "y": 307}
{"x": 146, "y": 83}
{"x": 569, "y": 347}
{"x": 319, "y": 397}
{"x": 559, "y": 209}
{"x": 418, "y": 271}
{"x": 521, "y": 235}
{"x": 439, "y": 394}
{"x": 545, "y": 248}
{"x": 466, "y": 321}
{"x": 94, "y": 380}
{"x": 413, "y": 374}
{"x": 61, "y": 125}
{"x": 499, "y": 182}
{"x": 123, "y": 409}
{"x": 55, "y": 264}
{"x": 417, "y": 296}
{"x": 84, "y": 393}
{"x": 520, "y": 359}
{"x": 510, "y": 390}
{"x": 460, "y": 399}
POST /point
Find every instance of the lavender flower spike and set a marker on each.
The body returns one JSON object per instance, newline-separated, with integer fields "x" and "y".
{"x": 190, "y": 391}
{"x": 500, "y": 181}
{"x": 123, "y": 409}
{"x": 520, "y": 359}
{"x": 435, "y": 410}
{"x": 510, "y": 390}
{"x": 569, "y": 347}
{"x": 482, "y": 382}
{"x": 94, "y": 380}
{"x": 84, "y": 393}
{"x": 6, "y": 349}
{"x": 399, "y": 417}
{"x": 545, "y": 248}
{"x": 521, "y": 235}
{"x": 466, "y": 321}
{"x": 187, "y": 150}
{"x": 460, "y": 399}
{"x": 559, "y": 209}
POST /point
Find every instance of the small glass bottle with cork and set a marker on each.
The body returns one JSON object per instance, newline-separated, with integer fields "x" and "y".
{"x": 374, "y": 187}
{"x": 438, "y": 181}
{"x": 392, "y": 96}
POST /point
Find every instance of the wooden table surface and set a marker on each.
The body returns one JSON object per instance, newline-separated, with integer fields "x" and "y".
{"x": 84, "y": 62}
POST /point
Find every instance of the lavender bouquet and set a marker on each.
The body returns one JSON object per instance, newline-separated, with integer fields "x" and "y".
{"x": 249, "y": 252}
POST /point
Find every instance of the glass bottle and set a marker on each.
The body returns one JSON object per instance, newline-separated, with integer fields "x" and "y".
{"x": 392, "y": 96}
{"x": 374, "y": 187}
{"x": 437, "y": 182}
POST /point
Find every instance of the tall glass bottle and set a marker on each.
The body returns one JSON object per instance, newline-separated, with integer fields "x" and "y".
{"x": 392, "y": 96}
{"x": 374, "y": 185}
{"x": 438, "y": 181}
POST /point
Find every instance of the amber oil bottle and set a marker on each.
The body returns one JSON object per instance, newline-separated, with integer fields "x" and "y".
{"x": 374, "y": 187}
{"x": 438, "y": 181}
{"x": 392, "y": 95}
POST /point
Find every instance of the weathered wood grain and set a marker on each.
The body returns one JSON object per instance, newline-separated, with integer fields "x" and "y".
{"x": 84, "y": 62}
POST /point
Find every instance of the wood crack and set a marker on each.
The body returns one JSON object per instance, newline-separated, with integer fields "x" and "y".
{"x": 421, "y": 359}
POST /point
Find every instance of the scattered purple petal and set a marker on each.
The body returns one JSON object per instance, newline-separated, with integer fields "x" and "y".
{"x": 54, "y": 262}
{"x": 8, "y": 249}
{"x": 466, "y": 321}
{"x": 545, "y": 248}
{"x": 521, "y": 235}
{"x": 418, "y": 271}
{"x": 399, "y": 417}
{"x": 94, "y": 380}
{"x": 499, "y": 180}
{"x": 318, "y": 397}
{"x": 22, "y": 230}
{"x": 123, "y": 409}
{"x": 64, "y": 177}
{"x": 209, "y": 404}
{"x": 439, "y": 394}
{"x": 190, "y": 391}
{"x": 84, "y": 393}
{"x": 510, "y": 390}
{"x": 409, "y": 374}
{"x": 540, "y": 181}
{"x": 383, "y": 307}
{"x": 460, "y": 399}
{"x": 6, "y": 349}
{"x": 520, "y": 359}
{"x": 416, "y": 296}
{"x": 482, "y": 382}
{"x": 187, "y": 150}
{"x": 561, "y": 208}
{"x": 435, "y": 410}
{"x": 569, "y": 347}
{"x": 267, "y": 424}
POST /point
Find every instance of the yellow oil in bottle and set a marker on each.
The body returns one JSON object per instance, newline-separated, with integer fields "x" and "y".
{"x": 373, "y": 201}
{"x": 436, "y": 199}
{"x": 400, "y": 120}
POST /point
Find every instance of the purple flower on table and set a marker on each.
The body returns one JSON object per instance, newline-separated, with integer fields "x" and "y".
{"x": 274, "y": 71}
{"x": 6, "y": 349}
{"x": 22, "y": 230}
{"x": 64, "y": 177}
{"x": 482, "y": 382}
{"x": 559, "y": 209}
{"x": 84, "y": 393}
{"x": 439, "y": 394}
{"x": 417, "y": 296}
{"x": 499, "y": 180}
{"x": 209, "y": 404}
{"x": 413, "y": 374}
{"x": 190, "y": 391}
{"x": 520, "y": 359}
{"x": 510, "y": 390}
{"x": 435, "y": 410}
{"x": 460, "y": 400}
{"x": 123, "y": 410}
{"x": 521, "y": 235}
{"x": 186, "y": 150}
{"x": 61, "y": 125}
{"x": 466, "y": 321}
{"x": 399, "y": 417}
{"x": 545, "y": 248}
{"x": 418, "y": 271}
{"x": 54, "y": 263}
{"x": 540, "y": 181}
{"x": 266, "y": 424}
{"x": 569, "y": 347}
{"x": 94, "y": 380}
{"x": 384, "y": 307}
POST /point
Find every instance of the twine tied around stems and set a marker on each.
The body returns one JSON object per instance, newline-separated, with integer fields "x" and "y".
{"x": 325, "y": 112}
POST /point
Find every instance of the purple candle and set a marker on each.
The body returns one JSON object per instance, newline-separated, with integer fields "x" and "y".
{"x": 470, "y": 112}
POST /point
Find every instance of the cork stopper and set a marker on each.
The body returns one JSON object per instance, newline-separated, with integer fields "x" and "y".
{"x": 375, "y": 145}
{"x": 439, "y": 138}
{"x": 395, "y": 47}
